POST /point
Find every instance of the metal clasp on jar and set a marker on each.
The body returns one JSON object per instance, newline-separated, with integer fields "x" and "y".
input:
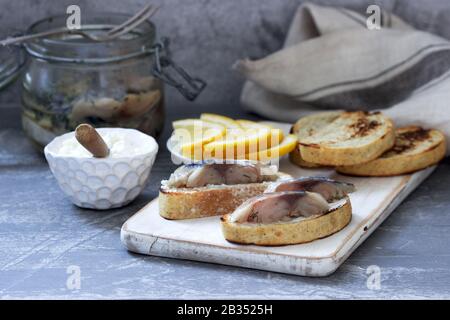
{"x": 168, "y": 71}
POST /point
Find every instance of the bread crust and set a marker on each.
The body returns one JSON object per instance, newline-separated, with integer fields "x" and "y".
{"x": 296, "y": 158}
{"x": 360, "y": 137}
{"x": 191, "y": 203}
{"x": 425, "y": 154}
{"x": 286, "y": 233}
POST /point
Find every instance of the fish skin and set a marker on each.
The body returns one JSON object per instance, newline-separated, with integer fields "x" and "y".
{"x": 330, "y": 189}
{"x": 205, "y": 173}
{"x": 279, "y": 206}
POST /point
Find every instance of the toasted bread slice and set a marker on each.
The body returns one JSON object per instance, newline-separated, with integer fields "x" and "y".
{"x": 299, "y": 230}
{"x": 319, "y": 120}
{"x": 345, "y": 138}
{"x": 212, "y": 200}
{"x": 415, "y": 149}
{"x": 296, "y": 158}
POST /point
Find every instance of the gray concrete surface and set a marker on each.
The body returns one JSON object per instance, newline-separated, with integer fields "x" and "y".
{"x": 42, "y": 234}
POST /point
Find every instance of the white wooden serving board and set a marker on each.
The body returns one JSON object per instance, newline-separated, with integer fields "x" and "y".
{"x": 201, "y": 239}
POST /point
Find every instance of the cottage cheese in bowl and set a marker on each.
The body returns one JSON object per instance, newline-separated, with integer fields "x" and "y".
{"x": 103, "y": 183}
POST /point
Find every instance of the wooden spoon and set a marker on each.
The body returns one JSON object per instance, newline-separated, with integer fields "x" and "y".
{"x": 91, "y": 140}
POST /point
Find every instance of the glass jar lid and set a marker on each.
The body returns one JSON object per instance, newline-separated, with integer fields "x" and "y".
{"x": 74, "y": 48}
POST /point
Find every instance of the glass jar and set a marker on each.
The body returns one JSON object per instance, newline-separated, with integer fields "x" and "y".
{"x": 119, "y": 83}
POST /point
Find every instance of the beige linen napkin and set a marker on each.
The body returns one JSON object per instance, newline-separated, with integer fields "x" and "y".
{"x": 331, "y": 60}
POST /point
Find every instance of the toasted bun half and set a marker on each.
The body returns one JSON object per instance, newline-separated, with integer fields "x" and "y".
{"x": 213, "y": 200}
{"x": 296, "y": 158}
{"x": 284, "y": 233}
{"x": 344, "y": 138}
{"x": 415, "y": 149}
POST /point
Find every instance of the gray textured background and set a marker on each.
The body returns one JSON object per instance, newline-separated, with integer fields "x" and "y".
{"x": 209, "y": 35}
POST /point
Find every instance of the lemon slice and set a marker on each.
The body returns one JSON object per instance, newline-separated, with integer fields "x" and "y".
{"x": 252, "y": 124}
{"x": 219, "y": 119}
{"x": 287, "y": 145}
{"x": 275, "y": 137}
{"x": 192, "y": 123}
{"x": 191, "y": 134}
{"x": 237, "y": 143}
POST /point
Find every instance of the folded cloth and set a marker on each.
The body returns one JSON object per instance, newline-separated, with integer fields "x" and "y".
{"x": 331, "y": 60}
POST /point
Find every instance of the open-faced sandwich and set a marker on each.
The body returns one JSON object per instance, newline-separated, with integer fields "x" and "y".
{"x": 291, "y": 212}
{"x": 341, "y": 138}
{"x": 210, "y": 189}
{"x": 415, "y": 149}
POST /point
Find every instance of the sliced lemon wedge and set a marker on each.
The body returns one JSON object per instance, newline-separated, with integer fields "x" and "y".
{"x": 287, "y": 145}
{"x": 192, "y": 123}
{"x": 237, "y": 143}
{"x": 219, "y": 119}
{"x": 275, "y": 137}
{"x": 191, "y": 135}
{"x": 220, "y": 137}
{"x": 252, "y": 124}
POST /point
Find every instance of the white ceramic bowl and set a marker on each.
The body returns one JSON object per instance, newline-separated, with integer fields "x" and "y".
{"x": 102, "y": 183}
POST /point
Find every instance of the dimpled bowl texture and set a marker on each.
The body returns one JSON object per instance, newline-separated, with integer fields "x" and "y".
{"x": 102, "y": 183}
